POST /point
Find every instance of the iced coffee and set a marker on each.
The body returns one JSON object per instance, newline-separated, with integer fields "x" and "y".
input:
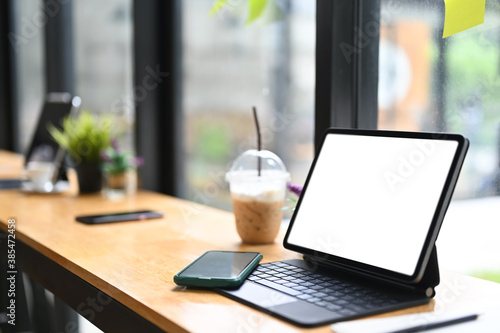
{"x": 258, "y": 199}
{"x": 258, "y": 220}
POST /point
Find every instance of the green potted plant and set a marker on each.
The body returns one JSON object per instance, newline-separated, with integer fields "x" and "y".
{"x": 84, "y": 137}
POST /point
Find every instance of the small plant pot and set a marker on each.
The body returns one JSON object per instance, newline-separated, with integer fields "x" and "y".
{"x": 89, "y": 177}
{"x": 116, "y": 181}
{"x": 120, "y": 185}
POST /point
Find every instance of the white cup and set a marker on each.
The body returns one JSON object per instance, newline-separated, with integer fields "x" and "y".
{"x": 40, "y": 175}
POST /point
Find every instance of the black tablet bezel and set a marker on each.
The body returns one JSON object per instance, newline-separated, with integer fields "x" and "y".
{"x": 429, "y": 243}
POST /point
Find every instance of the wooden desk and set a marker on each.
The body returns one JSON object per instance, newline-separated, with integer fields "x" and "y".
{"x": 134, "y": 264}
{"x": 11, "y": 165}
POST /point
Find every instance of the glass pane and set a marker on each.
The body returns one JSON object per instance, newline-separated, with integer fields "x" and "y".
{"x": 27, "y": 41}
{"x": 427, "y": 83}
{"x": 230, "y": 66}
{"x": 103, "y": 60}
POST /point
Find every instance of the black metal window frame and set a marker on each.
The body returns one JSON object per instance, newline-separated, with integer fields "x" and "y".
{"x": 158, "y": 116}
{"x": 347, "y": 43}
{"x": 7, "y": 77}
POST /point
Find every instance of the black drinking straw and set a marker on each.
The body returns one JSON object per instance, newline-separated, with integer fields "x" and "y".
{"x": 259, "y": 144}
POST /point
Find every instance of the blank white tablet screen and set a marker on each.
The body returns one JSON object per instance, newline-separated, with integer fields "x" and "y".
{"x": 372, "y": 199}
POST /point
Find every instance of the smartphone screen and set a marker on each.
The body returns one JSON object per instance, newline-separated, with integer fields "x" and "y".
{"x": 119, "y": 217}
{"x": 219, "y": 269}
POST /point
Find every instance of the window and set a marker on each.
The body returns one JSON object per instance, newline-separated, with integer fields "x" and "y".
{"x": 103, "y": 61}
{"x": 427, "y": 83}
{"x": 102, "y": 51}
{"x": 231, "y": 66}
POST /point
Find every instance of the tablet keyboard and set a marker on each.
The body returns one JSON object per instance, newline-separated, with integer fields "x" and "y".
{"x": 335, "y": 295}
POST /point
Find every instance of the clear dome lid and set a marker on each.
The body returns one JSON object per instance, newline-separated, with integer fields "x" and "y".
{"x": 248, "y": 164}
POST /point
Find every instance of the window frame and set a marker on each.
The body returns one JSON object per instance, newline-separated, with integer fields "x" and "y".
{"x": 347, "y": 45}
{"x": 158, "y": 116}
{"x": 59, "y": 50}
{"x": 7, "y": 79}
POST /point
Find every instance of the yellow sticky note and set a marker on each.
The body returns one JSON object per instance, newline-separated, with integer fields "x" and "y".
{"x": 462, "y": 14}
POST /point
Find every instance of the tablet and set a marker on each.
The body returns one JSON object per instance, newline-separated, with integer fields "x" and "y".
{"x": 374, "y": 201}
{"x": 43, "y": 148}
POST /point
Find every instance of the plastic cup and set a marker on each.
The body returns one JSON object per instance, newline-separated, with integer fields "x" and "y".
{"x": 258, "y": 200}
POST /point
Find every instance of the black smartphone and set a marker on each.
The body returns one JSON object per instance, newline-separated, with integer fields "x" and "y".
{"x": 221, "y": 269}
{"x": 119, "y": 217}
{"x": 10, "y": 183}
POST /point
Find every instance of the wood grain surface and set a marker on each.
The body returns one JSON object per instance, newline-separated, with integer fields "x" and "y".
{"x": 11, "y": 165}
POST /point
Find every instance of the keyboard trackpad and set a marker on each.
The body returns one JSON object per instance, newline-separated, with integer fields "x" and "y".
{"x": 285, "y": 306}
{"x": 260, "y": 295}
{"x": 305, "y": 314}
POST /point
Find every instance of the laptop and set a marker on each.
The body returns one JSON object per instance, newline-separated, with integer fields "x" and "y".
{"x": 366, "y": 224}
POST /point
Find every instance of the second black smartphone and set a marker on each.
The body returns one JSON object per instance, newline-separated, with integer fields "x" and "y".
{"x": 119, "y": 217}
